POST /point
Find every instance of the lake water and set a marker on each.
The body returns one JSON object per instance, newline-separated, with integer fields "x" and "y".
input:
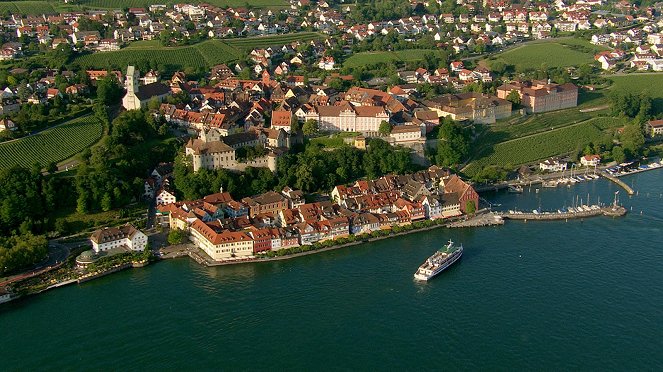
{"x": 536, "y": 295}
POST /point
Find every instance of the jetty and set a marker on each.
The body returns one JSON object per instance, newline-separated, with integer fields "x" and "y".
{"x": 573, "y": 213}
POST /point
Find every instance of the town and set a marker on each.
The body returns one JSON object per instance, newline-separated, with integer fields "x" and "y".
{"x": 234, "y": 134}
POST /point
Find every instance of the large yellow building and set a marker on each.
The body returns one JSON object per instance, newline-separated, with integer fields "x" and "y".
{"x": 539, "y": 96}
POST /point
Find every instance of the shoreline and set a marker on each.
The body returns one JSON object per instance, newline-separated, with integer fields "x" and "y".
{"x": 448, "y": 223}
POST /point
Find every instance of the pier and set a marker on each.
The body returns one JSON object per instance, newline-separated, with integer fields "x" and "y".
{"x": 588, "y": 211}
{"x": 619, "y": 182}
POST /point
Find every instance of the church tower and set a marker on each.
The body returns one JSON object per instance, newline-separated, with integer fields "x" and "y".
{"x": 130, "y": 101}
{"x": 131, "y": 82}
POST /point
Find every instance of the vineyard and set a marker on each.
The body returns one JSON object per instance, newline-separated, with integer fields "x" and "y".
{"x": 215, "y": 52}
{"x": 249, "y": 43}
{"x": 551, "y": 143}
{"x": 120, "y": 4}
{"x": 26, "y": 7}
{"x": 148, "y": 54}
{"x": 52, "y": 145}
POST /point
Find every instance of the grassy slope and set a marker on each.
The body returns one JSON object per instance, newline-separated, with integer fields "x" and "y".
{"x": 52, "y": 145}
{"x": 554, "y": 53}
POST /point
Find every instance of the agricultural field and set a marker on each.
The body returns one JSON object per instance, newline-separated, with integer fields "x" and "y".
{"x": 26, "y": 7}
{"x": 550, "y": 143}
{"x": 120, "y": 4}
{"x": 249, "y": 43}
{"x": 554, "y": 53}
{"x": 52, "y": 145}
{"x": 372, "y": 58}
{"x": 649, "y": 83}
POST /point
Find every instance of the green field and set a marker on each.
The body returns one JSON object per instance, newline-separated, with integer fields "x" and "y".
{"x": 554, "y": 53}
{"x": 373, "y": 58}
{"x": 27, "y": 7}
{"x": 639, "y": 83}
{"x": 546, "y": 144}
{"x": 52, "y": 145}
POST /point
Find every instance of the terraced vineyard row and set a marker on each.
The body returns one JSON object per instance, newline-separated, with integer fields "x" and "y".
{"x": 52, "y": 145}
{"x": 543, "y": 145}
{"x": 27, "y": 7}
{"x": 267, "y": 41}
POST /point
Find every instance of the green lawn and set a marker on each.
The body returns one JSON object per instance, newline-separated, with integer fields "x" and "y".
{"x": 52, "y": 145}
{"x": 372, "y": 58}
{"x": 639, "y": 83}
{"x": 554, "y": 53}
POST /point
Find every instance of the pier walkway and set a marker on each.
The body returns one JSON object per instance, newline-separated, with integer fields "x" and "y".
{"x": 486, "y": 219}
{"x": 591, "y": 211}
{"x": 619, "y": 182}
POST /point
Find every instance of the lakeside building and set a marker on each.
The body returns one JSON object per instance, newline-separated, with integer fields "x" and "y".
{"x": 126, "y": 236}
{"x": 539, "y": 96}
{"x": 590, "y": 160}
{"x": 655, "y": 127}
{"x": 552, "y": 165}
{"x": 481, "y": 108}
{"x": 226, "y": 229}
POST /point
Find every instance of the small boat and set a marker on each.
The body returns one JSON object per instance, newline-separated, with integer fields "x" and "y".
{"x": 515, "y": 189}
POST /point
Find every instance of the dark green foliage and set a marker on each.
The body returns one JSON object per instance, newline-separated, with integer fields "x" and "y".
{"x": 454, "y": 143}
{"x": 18, "y": 252}
{"x": 176, "y": 236}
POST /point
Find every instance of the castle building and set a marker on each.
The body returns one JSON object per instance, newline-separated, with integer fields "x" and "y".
{"x": 540, "y": 96}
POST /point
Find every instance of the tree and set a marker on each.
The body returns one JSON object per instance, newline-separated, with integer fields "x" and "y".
{"x": 385, "y": 128}
{"x": 618, "y": 154}
{"x": 176, "y": 236}
{"x": 52, "y": 167}
{"x": 310, "y": 127}
{"x": 514, "y": 98}
{"x": 632, "y": 139}
{"x": 453, "y": 144}
{"x": 470, "y": 207}
{"x": 295, "y": 125}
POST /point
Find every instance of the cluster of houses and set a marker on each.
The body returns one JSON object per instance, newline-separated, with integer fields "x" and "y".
{"x": 226, "y": 229}
{"x": 638, "y": 48}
